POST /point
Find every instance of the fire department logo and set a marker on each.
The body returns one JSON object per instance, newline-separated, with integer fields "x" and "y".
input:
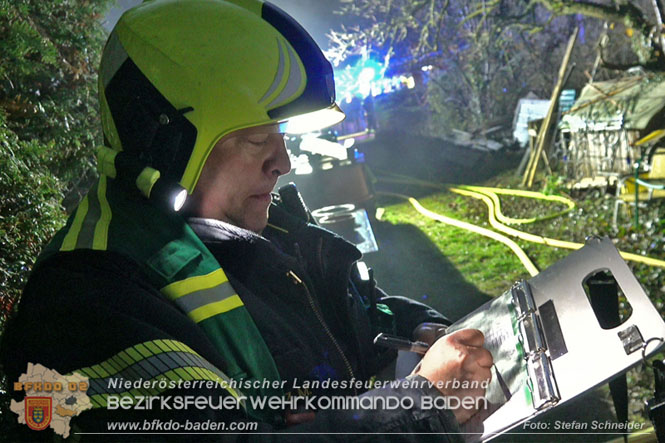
{"x": 38, "y": 412}
{"x": 51, "y": 399}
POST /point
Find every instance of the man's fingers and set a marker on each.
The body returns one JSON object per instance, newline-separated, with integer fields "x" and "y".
{"x": 479, "y": 375}
{"x": 483, "y": 357}
{"x": 477, "y": 358}
{"x": 469, "y": 337}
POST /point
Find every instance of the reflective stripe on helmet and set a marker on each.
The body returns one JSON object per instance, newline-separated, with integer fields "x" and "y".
{"x": 295, "y": 79}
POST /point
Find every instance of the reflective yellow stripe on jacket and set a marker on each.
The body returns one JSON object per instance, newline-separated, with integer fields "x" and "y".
{"x": 204, "y": 296}
{"x": 155, "y": 364}
{"x": 89, "y": 230}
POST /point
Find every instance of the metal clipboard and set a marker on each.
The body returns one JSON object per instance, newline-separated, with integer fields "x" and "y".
{"x": 566, "y": 351}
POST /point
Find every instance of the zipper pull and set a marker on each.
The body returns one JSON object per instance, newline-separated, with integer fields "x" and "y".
{"x": 294, "y": 278}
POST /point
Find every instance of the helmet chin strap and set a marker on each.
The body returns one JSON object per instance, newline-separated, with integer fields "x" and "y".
{"x": 134, "y": 174}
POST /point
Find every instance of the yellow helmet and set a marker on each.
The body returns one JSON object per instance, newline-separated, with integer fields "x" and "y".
{"x": 178, "y": 75}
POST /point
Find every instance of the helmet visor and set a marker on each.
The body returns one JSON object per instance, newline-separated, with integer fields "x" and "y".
{"x": 312, "y": 121}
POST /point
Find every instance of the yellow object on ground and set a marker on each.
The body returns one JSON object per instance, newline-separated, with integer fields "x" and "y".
{"x": 526, "y": 261}
{"x": 497, "y": 219}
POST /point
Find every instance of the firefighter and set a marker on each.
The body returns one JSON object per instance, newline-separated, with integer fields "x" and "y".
{"x": 181, "y": 266}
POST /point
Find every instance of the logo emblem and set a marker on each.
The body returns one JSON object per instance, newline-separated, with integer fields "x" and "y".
{"x": 38, "y": 412}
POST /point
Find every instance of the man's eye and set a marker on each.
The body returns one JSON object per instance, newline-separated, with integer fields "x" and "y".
{"x": 258, "y": 141}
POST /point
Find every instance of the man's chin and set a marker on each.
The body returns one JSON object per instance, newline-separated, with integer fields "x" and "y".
{"x": 257, "y": 225}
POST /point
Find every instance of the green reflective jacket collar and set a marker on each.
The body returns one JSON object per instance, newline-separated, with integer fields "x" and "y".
{"x": 178, "y": 264}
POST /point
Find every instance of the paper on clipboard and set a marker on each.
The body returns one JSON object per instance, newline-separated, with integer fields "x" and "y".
{"x": 543, "y": 331}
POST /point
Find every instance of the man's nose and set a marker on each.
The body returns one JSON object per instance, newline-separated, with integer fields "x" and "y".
{"x": 279, "y": 162}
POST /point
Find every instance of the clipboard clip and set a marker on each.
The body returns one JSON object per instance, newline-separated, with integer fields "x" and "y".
{"x": 540, "y": 382}
{"x": 644, "y": 349}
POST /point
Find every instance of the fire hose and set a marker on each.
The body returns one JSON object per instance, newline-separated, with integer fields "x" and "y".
{"x": 490, "y": 196}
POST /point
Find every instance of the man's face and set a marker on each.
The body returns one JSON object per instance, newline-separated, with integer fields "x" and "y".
{"x": 237, "y": 178}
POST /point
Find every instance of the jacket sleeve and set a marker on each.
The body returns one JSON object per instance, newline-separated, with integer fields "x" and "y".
{"x": 409, "y": 313}
{"x": 87, "y": 307}
{"x": 415, "y": 417}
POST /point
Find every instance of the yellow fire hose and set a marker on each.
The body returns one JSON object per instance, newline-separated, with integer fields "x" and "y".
{"x": 544, "y": 240}
{"x": 496, "y": 217}
{"x": 528, "y": 264}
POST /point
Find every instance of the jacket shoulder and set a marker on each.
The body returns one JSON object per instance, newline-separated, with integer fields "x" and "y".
{"x": 81, "y": 307}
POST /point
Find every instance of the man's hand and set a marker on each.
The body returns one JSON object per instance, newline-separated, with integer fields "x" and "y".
{"x": 459, "y": 357}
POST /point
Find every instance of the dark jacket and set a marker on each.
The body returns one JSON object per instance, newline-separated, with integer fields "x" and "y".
{"x": 83, "y": 306}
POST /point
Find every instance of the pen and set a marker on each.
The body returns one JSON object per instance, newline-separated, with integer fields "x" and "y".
{"x": 400, "y": 343}
{"x": 502, "y": 383}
